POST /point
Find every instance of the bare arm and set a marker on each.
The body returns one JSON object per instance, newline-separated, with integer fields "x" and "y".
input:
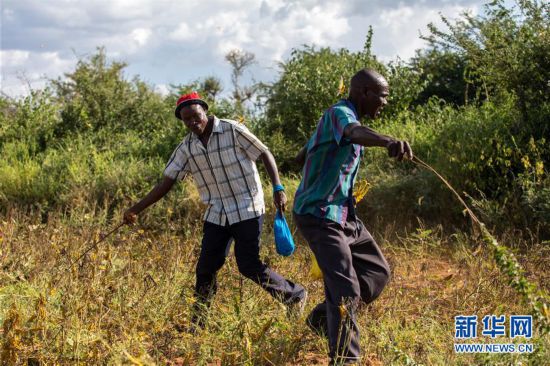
{"x": 271, "y": 167}
{"x": 159, "y": 191}
{"x": 366, "y": 136}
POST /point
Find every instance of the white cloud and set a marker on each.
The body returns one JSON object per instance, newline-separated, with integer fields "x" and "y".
{"x": 178, "y": 41}
{"x": 13, "y": 58}
{"x": 397, "y": 30}
{"x": 162, "y": 89}
{"x": 22, "y": 70}
{"x": 181, "y": 33}
{"x": 128, "y": 9}
{"x": 141, "y": 35}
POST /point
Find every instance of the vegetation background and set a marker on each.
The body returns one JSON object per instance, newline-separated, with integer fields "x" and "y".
{"x": 475, "y": 104}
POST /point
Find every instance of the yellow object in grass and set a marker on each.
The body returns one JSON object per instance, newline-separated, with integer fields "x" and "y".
{"x": 341, "y": 87}
{"x": 360, "y": 190}
{"x": 315, "y": 271}
{"x": 343, "y": 311}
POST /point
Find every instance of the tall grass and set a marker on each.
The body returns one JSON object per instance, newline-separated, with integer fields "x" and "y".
{"x": 121, "y": 304}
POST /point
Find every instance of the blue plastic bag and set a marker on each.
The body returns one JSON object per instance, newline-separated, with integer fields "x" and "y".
{"x": 283, "y": 237}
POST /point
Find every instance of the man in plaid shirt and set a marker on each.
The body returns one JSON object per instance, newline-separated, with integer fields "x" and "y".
{"x": 221, "y": 155}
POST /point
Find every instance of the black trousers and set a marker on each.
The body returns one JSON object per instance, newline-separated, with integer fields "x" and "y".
{"x": 215, "y": 246}
{"x": 354, "y": 270}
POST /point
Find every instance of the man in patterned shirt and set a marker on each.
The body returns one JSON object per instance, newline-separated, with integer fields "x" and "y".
{"x": 354, "y": 269}
{"x": 221, "y": 155}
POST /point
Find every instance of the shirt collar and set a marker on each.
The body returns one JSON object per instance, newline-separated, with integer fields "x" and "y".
{"x": 351, "y": 106}
{"x": 216, "y": 128}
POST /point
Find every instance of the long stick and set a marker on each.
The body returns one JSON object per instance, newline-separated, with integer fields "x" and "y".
{"x": 97, "y": 243}
{"x": 507, "y": 263}
{"x": 88, "y": 250}
{"x": 426, "y": 166}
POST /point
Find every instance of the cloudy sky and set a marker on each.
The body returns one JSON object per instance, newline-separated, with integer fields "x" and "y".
{"x": 176, "y": 41}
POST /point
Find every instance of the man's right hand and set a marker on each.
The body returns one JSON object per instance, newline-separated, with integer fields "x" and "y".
{"x": 400, "y": 150}
{"x": 159, "y": 191}
{"x": 130, "y": 217}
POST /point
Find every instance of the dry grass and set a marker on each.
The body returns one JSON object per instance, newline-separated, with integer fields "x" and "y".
{"x": 121, "y": 304}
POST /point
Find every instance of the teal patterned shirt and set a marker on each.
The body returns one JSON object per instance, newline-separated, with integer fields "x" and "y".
{"x": 326, "y": 188}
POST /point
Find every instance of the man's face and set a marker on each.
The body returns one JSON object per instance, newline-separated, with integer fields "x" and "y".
{"x": 375, "y": 98}
{"x": 194, "y": 117}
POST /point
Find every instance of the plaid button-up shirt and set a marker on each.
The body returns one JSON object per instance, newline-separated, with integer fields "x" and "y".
{"x": 224, "y": 171}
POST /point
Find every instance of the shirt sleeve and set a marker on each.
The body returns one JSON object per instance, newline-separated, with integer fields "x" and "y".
{"x": 251, "y": 145}
{"x": 178, "y": 165}
{"x": 340, "y": 118}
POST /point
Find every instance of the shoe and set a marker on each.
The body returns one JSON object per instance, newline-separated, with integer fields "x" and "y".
{"x": 296, "y": 309}
{"x": 190, "y": 329}
{"x": 198, "y": 323}
{"x": 317, "y": 320}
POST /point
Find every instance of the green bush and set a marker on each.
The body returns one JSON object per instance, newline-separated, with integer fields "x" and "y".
{"x": 472, "y": 147}
{"x": 97, "y": 137}
{"x": 31, "y": 121}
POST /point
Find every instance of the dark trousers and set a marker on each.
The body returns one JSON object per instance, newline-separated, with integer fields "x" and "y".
{"x": 215, "y": 246}
{"x": 354, "y": 270}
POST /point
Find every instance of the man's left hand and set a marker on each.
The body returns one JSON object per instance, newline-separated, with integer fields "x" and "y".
{"x": 400, "y": 150}
{"x": 280, "y": 200}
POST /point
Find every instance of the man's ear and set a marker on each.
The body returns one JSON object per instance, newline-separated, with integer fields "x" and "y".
{"x": 366, "y": 90}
